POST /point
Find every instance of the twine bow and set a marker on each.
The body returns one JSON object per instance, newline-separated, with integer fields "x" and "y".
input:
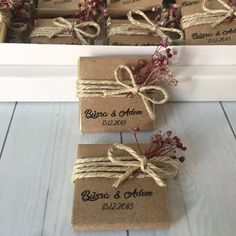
{"x": 119, "y": 88}
{"x": 65, "y": 28}
{"x": 209, "y": 16}
{"x": 140, "y": 28}
{"x": 140, "y": 90}
{"x": 126, "y": 167}
{"x": 154, "y": 168}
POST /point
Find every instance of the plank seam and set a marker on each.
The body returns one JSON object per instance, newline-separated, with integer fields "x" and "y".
{"x": 121, "y": 141}
{"x": 228, "y": 120}
{"x": 185, "y": 208}
{"x": 49, "y": 180}
{"x": 45, "y": 208}
{"x": 8, "y": 129}
{"x": 121, "y": 137}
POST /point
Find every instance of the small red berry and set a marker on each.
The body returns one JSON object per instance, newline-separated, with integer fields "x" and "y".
{"x": 169, "y": 133}
{"x": 137, "y": 129}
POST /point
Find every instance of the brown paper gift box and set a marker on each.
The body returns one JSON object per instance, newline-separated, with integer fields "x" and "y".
{"x": 97, "y": 113}
{"x": 224, "y": 33}
{"x": 135, "y": 40}
{"x": 57, "y": 8}
{"x": 3, "y": 32}
{"x": 54, "y": 40}
{"x": 147, "y": 212}
{"x": 120, "y": 8}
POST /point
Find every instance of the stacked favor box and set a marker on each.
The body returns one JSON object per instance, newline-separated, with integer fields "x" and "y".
{"x": 208, "y": 22}
{"x": 143, "y": 23}
{"x": 16, "y": 19}
{"x": 121, "y": 22}
{"x": 119, "y": 187}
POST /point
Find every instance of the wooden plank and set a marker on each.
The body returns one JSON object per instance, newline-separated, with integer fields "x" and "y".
{"x": 60, "y": 192}
{"x": 208, "y": 177}
{"x": 230, "y": 109}
{"x": 25, "y": 169}
{"x": 40, "y": 138}
{"x": 6, "y": 112}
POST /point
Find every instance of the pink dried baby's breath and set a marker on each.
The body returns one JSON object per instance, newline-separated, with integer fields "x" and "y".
{"x": 91, "y": 10}
{"x": 157, "y": 68}
{"x": 163, "y": 144}
{"x": 168, "y": 16}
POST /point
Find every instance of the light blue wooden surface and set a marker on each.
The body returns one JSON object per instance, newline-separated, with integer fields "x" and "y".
{"x": 39, "y": 142}
{"x": 6, "y": 114}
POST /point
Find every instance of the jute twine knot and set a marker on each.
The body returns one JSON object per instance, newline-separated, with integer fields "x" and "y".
{"x": 5, "y": 16}
{"x": 153, "y": 29}
{"x": 120, "y": 88}
{"x": 123, "y": 168}
{"x": 144, "y": 162}
{"x": 136, "y": 27}
{"x": 209, "y": 16}
{"x": 65, "y": 28}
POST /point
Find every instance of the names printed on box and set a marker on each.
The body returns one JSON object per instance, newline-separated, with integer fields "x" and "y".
{"x": 215, "y": 37}
{"x": 115, "y": 201}
{"x": 114, "y": 118}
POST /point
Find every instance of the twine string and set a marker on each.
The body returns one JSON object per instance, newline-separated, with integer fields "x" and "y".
{"x": 120, "y": 88}
{"x": 209, "y": 16}
{"x": 65, "y": 28}
{"x": 124, "y": 168}
{"x": 136, "y": 27}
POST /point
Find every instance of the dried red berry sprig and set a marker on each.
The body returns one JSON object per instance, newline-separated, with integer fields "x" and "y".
{"x": 6, "y": 4}
{"x": 166, "y": 144}
{"x": 157, "y": 68}
{"x": 232, "y": 3}
{"x": 163, "y": 144}
{"x": 92, "y": 10}
{"x": 21, "y": 10}
{"x": 169, "y": 16}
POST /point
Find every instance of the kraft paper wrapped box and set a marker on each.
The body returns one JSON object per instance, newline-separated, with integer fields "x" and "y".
{"x": 57, "y": 8}
{"x": 210, "y": 29}
{"x": 138, "y": 203}
{"x": 112, "y": 113}
{"x": 3, "y": 32}
{"x": 5, "y": 19}
{"x": 142, "y": 37}
{"x": 119, "y": 8}
{"x": 47, "y": 32}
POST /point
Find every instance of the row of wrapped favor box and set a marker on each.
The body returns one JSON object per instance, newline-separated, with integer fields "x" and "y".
{"x": 120, "y": 22}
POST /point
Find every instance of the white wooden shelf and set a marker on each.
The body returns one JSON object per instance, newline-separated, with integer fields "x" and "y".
{"x": 58, "y": 83}
{"x": 39, "y": 54}
{"x": 49, "y": 72}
